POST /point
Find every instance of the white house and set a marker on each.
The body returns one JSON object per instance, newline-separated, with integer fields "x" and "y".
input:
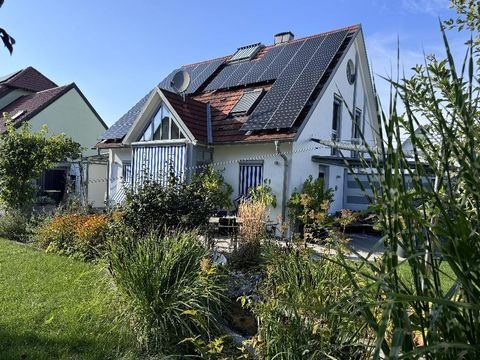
{"x": 29, "y": 96}
{"x": 257, "y": 114}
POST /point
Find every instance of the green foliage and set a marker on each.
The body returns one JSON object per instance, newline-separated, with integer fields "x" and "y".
{"x": 24, "y": 155}
{"x": 217, "y": 193}
{"x": 427, "y": 319}
{"x": 307, "y": 310}
{"x": 15, "y": 226}
{"x": 264, "y": 194}
{"x": 309, "y": 208}
{"x": 169, "y": 286}
{"x": 154, "y": 206}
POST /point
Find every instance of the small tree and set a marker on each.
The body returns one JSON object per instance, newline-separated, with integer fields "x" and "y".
{"x": 24, "y": 156}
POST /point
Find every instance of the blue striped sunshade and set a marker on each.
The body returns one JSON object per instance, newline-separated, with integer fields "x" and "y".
{"x": 251, "y": 176}
{"x": 155, "y": 162}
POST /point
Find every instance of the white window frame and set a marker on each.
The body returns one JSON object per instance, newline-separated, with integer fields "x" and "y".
{"x": 336, "y": 133}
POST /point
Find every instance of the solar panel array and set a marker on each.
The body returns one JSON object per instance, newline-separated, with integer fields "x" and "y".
{"x": 281, "y": 106}
{"x": 198, "y": 75}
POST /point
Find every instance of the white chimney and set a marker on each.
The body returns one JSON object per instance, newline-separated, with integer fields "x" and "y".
{"x": 283, "y": 37}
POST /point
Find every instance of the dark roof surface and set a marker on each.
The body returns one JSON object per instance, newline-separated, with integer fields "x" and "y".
{"x": 292, "y": 75}
{"x": 28, "y": 79}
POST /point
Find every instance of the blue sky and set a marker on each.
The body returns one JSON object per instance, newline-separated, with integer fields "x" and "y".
{"x": 116, "y": 51}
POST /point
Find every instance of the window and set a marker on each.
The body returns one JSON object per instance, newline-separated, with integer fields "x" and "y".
{"x": 246, "y": 52}
{"x": 251, "y": 176}
{"x": 162, "y": 126}
{"x": 323, "y": 174}
{"x": 127, "y": 172}
{"x": 247, "y": 102}
{"x": 356, "y": 128}
{"x": 336, "y": 122}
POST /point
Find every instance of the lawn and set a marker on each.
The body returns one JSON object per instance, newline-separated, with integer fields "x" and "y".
{"x": 53, "y": 307}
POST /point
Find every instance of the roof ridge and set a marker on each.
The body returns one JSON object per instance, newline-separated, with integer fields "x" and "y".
{"x": 53, "y": 88}
{"x": 350, "y": 27}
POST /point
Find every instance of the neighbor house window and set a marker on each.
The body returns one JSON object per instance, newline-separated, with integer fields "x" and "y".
{"x": 162, "y": 126}
{"x": 336, "y": 122}
{"x": 251, "y": 176}
{"x": 357, "y": 123}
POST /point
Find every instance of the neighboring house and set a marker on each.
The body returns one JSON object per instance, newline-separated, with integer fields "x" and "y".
{"x": 255, "y": 115}
{"x": 29, "y": 96}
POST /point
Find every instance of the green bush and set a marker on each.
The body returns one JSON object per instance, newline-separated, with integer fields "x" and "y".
{"x": 307, "y": 309}
{"x": 15, "y": 225}
{"x": 169, "y": 287}
{"x": 154, "y": 206}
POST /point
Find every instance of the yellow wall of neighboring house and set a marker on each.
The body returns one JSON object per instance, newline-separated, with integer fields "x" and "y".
{"x": 70, "y": 114}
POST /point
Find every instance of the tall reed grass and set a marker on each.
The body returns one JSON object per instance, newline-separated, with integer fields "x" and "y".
{"x": 169, "y": 288}
{"x": 428, "y": 204}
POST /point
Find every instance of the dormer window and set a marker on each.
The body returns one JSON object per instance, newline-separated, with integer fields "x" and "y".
{"x": 162, "y": 126}
{"x": 247, "y": 102}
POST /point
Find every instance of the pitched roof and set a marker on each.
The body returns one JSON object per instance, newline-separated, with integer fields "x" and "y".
{"x": 291, "y": 73}
{"x": 29, "y": 105}
{"x": 27, "y": 79}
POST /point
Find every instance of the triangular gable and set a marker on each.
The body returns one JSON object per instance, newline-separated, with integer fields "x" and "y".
{"x": 148, "y": 111}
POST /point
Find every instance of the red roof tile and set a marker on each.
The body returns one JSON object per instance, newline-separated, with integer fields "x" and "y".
{"x": 31, "y": 104}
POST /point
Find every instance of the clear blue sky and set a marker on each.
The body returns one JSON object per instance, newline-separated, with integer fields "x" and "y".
{"x": 116, "y": 51}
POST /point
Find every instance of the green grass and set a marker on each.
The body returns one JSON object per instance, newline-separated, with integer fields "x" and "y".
{"x": 53, "y": 307}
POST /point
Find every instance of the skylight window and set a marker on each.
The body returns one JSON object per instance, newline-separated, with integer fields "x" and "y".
{"x": 18, "y": 114}
{"x": 246, "y": 52}
{"x": 249, "y": 99}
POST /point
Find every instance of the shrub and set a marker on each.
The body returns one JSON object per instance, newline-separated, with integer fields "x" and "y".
{"x": 216, "y": 192}
{"x": 74, "y": 235}
{"x": 169, "y": 286}
{"x": 308, "y": 209}
{"x": 155, "y": 206}
{"x": 307, "y": 309}
{"x": 15, "y": 225}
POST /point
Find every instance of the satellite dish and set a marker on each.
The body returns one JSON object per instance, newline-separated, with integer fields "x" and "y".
{"x": 180, "y": 81}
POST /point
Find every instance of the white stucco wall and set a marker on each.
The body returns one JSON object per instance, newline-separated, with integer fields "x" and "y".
{"x": 70, "y": 114}
{"x": 115, "y": 163}
{"x": 319, "y": 126}
{"x": 227, "y": 157}
{"x": 97, "y": 185}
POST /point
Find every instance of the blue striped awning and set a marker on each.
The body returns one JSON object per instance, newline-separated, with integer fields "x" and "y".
{"x": 251, "y": 176}
{"x": 155, "y": 162}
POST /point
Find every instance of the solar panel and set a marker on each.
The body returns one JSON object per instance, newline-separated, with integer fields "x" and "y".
{"x": 242, "y": 69}
{"x": 290, "y": 92}
{"x": 247, "y": 101}
{"x": 301, "y": 90}
{"x": 273, "y": 70}
{"x": 198, "y": 75}
{"x": 222, "y": 76}
{"x": 259, "y": 66}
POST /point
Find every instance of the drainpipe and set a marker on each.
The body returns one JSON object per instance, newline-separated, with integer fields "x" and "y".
{"x": 285, "y": 173}
{"x": 209, "y": 124}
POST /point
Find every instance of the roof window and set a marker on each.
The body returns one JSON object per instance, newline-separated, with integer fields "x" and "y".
{"x": 249, "y": 99}
{"x": 246, "y": 52}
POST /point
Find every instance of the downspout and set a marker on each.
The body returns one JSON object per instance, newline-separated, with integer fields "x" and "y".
{"x": 209, "y": 124}
{"x": 284, "y": 187}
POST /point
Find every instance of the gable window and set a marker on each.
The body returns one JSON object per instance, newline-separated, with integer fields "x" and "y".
{"x": 251, "y": 176}
{"x": 357, "y": 122}
{"x": 127, "y": 172}
{"x": 162, "y": 126}
{"x": 336, "y": 122}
